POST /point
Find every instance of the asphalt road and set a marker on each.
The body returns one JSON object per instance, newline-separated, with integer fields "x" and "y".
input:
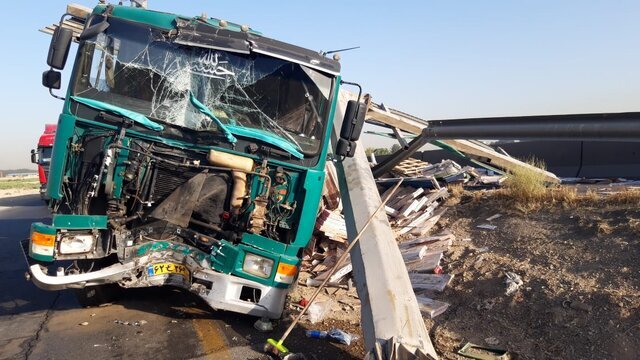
{"x": 37, "y": 324}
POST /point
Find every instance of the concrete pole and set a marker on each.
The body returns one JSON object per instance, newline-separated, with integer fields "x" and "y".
{"x": 390, "y": 312}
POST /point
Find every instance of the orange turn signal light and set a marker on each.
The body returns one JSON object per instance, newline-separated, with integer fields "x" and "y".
{"x": 43, "y": 239}
{"x": 287, "y": 269}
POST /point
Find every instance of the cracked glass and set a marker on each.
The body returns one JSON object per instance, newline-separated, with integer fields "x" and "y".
{"x": 140, "y": 69}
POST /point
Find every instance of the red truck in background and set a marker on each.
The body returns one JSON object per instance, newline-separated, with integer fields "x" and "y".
{"x": 42, "y": 157}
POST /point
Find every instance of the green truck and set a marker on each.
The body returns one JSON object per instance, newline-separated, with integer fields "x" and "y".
{"x": 190, "y": 152}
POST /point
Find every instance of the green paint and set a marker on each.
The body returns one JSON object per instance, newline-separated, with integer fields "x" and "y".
{"x": 39, "y": 257}
{"x": 79, "y": 221}
{"x": 43, "y": 228}
{"x": 64, "y": 132}
{"x": 313, "y": 184}
{"x": 262, "y": 242}
{"x": 149, "y": 17}
{"x": 137, "y": 117}
{"x": 268, "y": 137}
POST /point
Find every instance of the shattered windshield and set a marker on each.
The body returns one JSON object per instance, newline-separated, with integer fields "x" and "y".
{"x": 139, "y": 69}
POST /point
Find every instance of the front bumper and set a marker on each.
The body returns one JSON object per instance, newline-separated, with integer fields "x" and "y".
{"x": 220, "y": 291}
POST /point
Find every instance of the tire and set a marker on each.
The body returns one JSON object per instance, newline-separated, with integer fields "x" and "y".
{"x": 92, "y": 296}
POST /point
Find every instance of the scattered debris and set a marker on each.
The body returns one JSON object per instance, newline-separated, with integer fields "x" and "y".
{"x": 413, "y": 213}
{"x": 492, "y": 341}
{"x": 493, "y": 217}
{"x": 335, "y": 335}
{"x": 127, "y": 323}
{"x": 473, "y": 351}
{"x": 263, "y": 325}
{"x": 577, "y": 305}
{"x": 513, "y": 282}
{"x": 487, "y": 227}
{"x": 318, "y": 310}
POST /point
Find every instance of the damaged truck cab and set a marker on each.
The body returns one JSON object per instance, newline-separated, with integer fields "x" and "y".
{"x": 190, "y": 152}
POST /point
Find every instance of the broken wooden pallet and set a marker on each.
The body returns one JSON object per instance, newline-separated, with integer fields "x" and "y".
{"x": 410, "y": 167}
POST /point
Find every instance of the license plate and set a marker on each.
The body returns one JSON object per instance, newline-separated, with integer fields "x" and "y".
{"x": 168, "y": 268}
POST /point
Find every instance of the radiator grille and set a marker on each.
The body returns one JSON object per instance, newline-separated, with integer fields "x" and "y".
{"x": 168, "y": 179}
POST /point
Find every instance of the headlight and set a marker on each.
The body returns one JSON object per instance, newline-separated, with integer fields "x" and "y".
{"x": 257, "y": 265}
{"x": 76, "y": 244}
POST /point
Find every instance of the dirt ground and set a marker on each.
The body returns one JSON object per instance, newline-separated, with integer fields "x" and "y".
{"x": 17, "y": 192}
{"x": 580, "y": 297}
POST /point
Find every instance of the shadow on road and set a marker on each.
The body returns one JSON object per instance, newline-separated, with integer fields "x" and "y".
{"x": 237, "y": 328}
{"x": 18, "y": 296}
{"x": 22, "y": 200}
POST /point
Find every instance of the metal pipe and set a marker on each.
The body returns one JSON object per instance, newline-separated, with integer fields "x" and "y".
{"x": 604, "y": 126}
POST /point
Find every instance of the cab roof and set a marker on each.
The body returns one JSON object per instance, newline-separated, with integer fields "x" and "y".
{"x": 209, "y": 33}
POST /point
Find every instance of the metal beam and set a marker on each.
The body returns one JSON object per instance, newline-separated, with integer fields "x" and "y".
{"x": 412, "y": 124}
{"x": 390, "y": 313}
{"x": 604, "y": 126}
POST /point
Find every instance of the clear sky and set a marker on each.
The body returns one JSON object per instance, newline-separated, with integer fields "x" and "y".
{"x": 435, "y": 59}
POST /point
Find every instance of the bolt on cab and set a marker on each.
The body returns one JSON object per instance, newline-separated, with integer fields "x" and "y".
{"x": 189, "y": 152}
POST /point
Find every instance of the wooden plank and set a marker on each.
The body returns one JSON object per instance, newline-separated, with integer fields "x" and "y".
{"x": 438, "y": 245}
{"x": 414, "y": 254}
{"x": 430, "y": 307}
{"x": 497, "y": 159}
{"x": 418, "y": 221}
{"x": 433, "y": 282}
{"x": 423, "y": 228}
{"x": 429, "y": 262}
{"x": 390, "y": 211}
{"x": 428, "y": 239}
{"x": 79, "y": 11}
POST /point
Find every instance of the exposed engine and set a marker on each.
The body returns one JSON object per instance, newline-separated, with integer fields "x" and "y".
{"x": 152, "y": 192}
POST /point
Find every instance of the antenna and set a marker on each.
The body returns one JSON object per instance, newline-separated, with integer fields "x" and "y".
{"x": 323, "y": 53}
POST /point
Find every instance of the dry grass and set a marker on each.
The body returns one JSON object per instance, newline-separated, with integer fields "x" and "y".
{"x": 455, "y": 193}
{"x": 526, "y": 191}
{"x": 524, "y": 185}
{"x": 625, "y": 197}
{"x": 19, "y": 183}
{"x": 604, "y": 228}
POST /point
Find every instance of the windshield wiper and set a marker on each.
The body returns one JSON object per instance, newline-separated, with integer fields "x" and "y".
{"x": 205, "y": 110}
{"x": 136, "y": 117}
{"x": 258, "y": 134}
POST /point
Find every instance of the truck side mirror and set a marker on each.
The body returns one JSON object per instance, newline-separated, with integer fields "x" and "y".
{"x": 52, "y": 79}
{"x": 351, "y": 128}
{"x": 34, "y": 156}
{"x": 59, "y": 47}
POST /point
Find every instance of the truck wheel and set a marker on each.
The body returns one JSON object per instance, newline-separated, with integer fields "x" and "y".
{"x": 97, "y": 295}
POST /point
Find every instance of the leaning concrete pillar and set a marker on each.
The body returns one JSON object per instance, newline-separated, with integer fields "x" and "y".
{"x": 390, "y": 312}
